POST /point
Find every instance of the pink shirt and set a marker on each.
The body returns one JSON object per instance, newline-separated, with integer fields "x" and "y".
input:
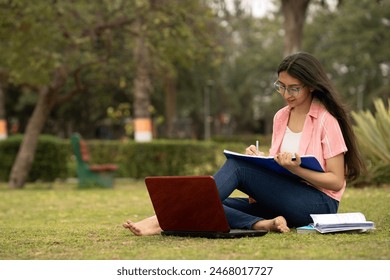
{"x": 321, "y": 137}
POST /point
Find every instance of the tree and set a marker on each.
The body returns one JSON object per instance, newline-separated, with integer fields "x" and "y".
{"x": 180, "y": 37}
{"x": 252, "y": 47}
{"x": 142, "y": 85}
{"x": 55, "y": 43}
{"x": 3, "y": 121}
{"x": 64, "y": 42}
{"x": 294, "y": 12}
{"x": 352, "y": 42}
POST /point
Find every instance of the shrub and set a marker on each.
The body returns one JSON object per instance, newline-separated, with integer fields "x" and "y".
{"x": 169, "y": 158}
{"x": 50, "y": 160}
{"x": 54, "y": 157}
{"x": 161, "y": 157}
{"x": 373, "y": 133}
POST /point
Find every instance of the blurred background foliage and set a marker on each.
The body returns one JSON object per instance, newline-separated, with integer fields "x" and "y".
{"x": 372, "y": 130}
{"x": 192, "y": 43}
{"x": 207, "y": 50}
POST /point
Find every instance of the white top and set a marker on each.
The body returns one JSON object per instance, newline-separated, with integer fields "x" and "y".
{"x": 291, "y": 141}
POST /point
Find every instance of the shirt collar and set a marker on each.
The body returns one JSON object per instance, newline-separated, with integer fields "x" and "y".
{"x": 315, "y": 108}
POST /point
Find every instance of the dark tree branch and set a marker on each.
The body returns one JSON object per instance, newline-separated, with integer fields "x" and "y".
{"x": 78, "y": 88}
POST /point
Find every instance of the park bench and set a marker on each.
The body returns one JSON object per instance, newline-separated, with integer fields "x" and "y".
{"x": 91, "y": 175}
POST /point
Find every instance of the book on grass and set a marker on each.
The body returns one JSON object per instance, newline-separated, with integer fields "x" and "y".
{"x": 268, "y": 162}
{"x": 307, "y": 229}
{"x": 341, "y": 222}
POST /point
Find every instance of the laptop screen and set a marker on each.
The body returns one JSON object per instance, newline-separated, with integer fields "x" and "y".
{"x": 187, "y": 203}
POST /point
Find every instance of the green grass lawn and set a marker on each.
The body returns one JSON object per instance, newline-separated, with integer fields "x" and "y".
{"x": 58, "y": 221}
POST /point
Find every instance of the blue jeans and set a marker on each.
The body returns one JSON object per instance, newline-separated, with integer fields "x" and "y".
{"x": 275, "y": 195}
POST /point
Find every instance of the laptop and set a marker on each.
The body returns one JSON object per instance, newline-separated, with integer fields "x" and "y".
{"x": 189, "y": 206}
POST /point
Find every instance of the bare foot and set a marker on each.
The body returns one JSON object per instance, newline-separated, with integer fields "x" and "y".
{"x": 148, "y": 226}
{"x": 278, "y": 224}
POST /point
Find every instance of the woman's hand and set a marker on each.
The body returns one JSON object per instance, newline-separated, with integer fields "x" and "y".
{"x": 287, "y": 160}
{"x": 253, "y": 151}
{"x": 332, "y": 179}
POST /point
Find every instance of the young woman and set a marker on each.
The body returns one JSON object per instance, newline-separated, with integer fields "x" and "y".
{"x": 314, "y": 122}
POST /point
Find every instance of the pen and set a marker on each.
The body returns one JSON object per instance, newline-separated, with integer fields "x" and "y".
{"x": 257, "y": 144}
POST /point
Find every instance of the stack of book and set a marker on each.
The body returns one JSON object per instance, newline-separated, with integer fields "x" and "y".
{"x": 342, "y": 222}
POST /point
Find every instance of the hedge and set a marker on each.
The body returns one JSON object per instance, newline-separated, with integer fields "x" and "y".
{"x": 54, "y": 158}
{"x": 161, "y": 157}
{"x": 50, "y": 160}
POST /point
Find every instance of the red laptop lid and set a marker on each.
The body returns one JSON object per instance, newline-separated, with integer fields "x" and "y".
{"x": 187, "y": 203}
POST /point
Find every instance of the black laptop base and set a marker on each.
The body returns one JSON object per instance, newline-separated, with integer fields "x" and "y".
{"x": 234, "y": 233}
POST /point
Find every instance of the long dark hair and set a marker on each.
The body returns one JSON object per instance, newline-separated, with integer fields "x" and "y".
{"x": 307, "y": 69}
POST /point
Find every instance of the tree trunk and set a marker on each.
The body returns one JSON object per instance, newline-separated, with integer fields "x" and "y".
{"x": 170, "y": 104}
{"x": 142, "y": 89}
{"x": 294, "y": 12}
{"x": 3, "y": 119}
{"x": 26, "y": 153}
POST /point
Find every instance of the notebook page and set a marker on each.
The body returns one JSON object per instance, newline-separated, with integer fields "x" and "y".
{"x": 341, "y": 218}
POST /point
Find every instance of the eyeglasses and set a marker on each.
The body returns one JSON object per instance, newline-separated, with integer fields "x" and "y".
{"x": 294, "y": 91}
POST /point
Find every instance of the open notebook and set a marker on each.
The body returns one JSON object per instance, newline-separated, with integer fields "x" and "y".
{"x": 268, "y": 162}
{"x": 190, "y": 206}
